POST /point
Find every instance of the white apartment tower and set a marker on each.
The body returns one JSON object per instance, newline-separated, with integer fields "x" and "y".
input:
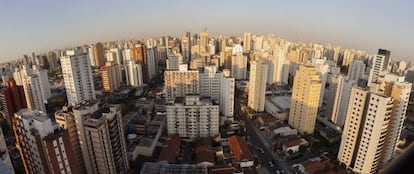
{"x": 33, "y": 92}
{"x": 186, "y": 47}
{"x": 365, "y": 130}
{"x": 257, "y": 85}
{"x": 238, "y": 66}
{"x": 192, "y": 117}
{"x": 278, "y": 68}
{"x": 133, "y": 71}
{"x": 152, "y": 57}
{"x": 338, "y": 98}
{"x": 247, "y": 42}
{"x": 305, "y": 99}
{"x": 44, "y": 82}
{"x": 227, "y": 91}
{"x": 174, "y": 61}
{"x": 21, "y": 75}
{"x": 356, "y": 70}
{"x": 379, "y": 65}
{"x": 77, "y": 75}
{"x": 210, "y": 83}
{"x": 400, "y": 92}
{"x": 182, "y": 82}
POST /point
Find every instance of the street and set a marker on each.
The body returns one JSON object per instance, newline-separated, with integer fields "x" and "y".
{"x": 259, "y": 142}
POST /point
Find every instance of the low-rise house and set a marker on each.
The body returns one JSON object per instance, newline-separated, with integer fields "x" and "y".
{"x": 170, "y": 150}
{"x": 284, "y": 131}
{"x": 241, "y": 151}
{"x": 292, "y": 146}
{"x": 318, "y": 165}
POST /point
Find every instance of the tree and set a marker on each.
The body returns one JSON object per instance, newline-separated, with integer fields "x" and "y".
{"x": 242, "y": 124}
{"x": 125, "y": 108}
{"x": 302, "y": 149}
{"x": 227, "y": 124}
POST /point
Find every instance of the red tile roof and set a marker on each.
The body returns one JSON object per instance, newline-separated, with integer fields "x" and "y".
{"x": 268, "y": 118}
{"x": 293, "y": 142}
{"x": 224, "y": 170}
{"x": 170, "y": 152}
{"x": 239, "y": 148}
{"x": 312, "y": 167}
{"x": 204, "y": 154}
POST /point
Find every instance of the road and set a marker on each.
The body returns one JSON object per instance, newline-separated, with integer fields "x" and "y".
{"x": 259, "y": 142}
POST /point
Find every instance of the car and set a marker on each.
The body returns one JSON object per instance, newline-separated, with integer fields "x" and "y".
{"x": 271, "y": 165}
{"x": 261, "y": 150}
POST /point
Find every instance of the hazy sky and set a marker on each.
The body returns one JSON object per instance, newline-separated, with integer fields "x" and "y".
{"x": 38, "y": 25}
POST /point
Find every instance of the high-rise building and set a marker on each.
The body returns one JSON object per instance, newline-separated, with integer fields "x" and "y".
{"x": 43, "y": 147}
{"x": 278, "y": 68}
{"x": 258, "y": 43}
{"x": 111, "y": 76}
{"x": 12, "y": 99}
{"x": 247, "y": 42}
{"x": 114, "y": 55}
{"x": 33, "y": 93}
{"x": 257, "y": 85}
{"x": 238, "y": 66}
{"x": 338, "y": 96}
{"x": 6, "y": 166}
{"x": 203, "y": 40}
{"x": 174, "y": 61}
{"x": 182, "y": 82}
{"x": 186, "y": 47}
{"x": 379, "y": 65}
{"x": 192, "y": 117}
{"x": 44, "y": 82}
{"x": 77, "y": 75}
{"x": 24, "y": 73}
{"x": 356, "y": 70}
{"x": 210, "y": 83}
{"x": 105, "y": 140}
{"x": 52, "y": 59}
{"x": 139, "y": 54}
{"x": 101, "y": 137}
{"x": 66, "y": 120}
{"x": 98, "y": 54}
{"x": 152, "y": 57}
{"x": 400, "y": 92}
{"x": 133, "y": 71}
{"x": 305, "y": 99}
{"x": 376, "y": 121}
{"x": 365, "y": 130}
{"x": 227, "y": 91}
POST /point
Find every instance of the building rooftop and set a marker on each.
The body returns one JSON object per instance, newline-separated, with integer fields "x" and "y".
{"x": 204, "y": 152}
{"x": 239, "y": 148}
{"x": 85, "y": 104}
{"x": 268, "y": 118}
{"x": 165, "y": 168}
{"x": 170, "y": 151}
{"x": 294, "y": 142}
{"x": 224, "y": 169}
{"x": 146, "y": 142}
{"x": 282, "y": 102}
{"x": 33, "y": 114}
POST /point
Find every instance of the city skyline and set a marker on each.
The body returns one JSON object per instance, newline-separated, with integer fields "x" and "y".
{"x": 42, "y": 26}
